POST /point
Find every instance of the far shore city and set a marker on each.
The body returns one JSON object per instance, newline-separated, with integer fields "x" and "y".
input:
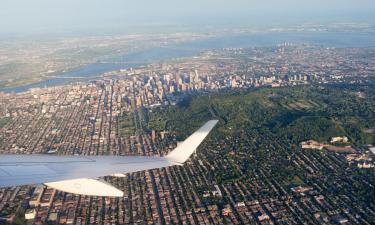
{"x": 197, "y": 112}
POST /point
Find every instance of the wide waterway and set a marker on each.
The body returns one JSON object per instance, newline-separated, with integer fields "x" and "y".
{"x": 187, "y": 49}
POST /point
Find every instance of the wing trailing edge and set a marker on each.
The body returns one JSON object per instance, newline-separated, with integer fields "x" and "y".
{"x": 86, "y": 186}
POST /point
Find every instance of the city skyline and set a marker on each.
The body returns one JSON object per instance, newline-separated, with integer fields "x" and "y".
{"x": 294, "y": 142}
{"x": 187, "y": 112}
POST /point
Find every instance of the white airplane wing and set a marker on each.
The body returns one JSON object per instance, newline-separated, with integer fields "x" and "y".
{"x": 78, "y": 174}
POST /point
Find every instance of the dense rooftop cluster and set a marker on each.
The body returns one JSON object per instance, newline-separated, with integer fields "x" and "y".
{"x": 111, "y": 116}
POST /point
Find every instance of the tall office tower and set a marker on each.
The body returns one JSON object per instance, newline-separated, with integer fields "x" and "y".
{"x": 191, "y": 77}
{"x": 196, "y": 77}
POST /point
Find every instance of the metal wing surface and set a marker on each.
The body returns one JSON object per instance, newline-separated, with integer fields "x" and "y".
{"x": 77, "y": 174}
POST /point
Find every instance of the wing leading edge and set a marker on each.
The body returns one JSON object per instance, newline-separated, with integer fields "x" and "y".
{"x": 77, "y": 174}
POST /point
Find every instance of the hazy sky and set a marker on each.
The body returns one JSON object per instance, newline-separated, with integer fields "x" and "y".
{"x": 56, "y": 16}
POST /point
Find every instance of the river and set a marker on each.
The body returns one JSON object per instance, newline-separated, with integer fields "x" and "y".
{"x": 191, "y": 48}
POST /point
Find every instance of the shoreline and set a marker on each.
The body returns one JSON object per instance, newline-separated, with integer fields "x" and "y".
{"x": 190, "y": 49}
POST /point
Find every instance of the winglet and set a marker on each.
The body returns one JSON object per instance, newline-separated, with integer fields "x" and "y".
{"x": 182, "y": 153}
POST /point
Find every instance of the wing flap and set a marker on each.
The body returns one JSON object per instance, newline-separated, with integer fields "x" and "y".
{"x": 85, "y": 186}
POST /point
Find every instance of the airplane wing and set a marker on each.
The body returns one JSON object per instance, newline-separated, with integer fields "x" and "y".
{"x": 78, "y": 174}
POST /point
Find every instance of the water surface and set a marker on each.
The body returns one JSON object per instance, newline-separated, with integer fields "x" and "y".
{"x": 191, "y": 48}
